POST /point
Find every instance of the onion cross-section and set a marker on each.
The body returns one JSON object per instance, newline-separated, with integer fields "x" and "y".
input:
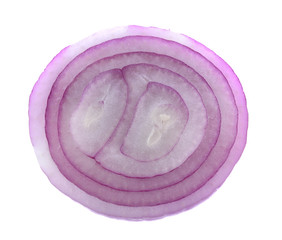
{"x": 138, "y": 123}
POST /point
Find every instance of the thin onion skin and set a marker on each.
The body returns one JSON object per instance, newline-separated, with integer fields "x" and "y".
{"x": 118, "y": 191}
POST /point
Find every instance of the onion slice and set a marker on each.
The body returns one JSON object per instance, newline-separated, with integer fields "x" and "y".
{"x": 138, "y": 123}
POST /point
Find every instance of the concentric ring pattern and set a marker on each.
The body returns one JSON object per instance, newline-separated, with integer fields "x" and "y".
{"x": 138, "y": 123}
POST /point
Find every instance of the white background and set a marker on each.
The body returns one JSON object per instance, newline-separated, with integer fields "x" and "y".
{"x": 247, "y": 34}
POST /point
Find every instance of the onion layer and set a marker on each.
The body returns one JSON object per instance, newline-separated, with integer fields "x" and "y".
{"x": 138, "y": 123}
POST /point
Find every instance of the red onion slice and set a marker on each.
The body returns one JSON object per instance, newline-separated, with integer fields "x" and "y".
{"x": 138, "y": 123}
